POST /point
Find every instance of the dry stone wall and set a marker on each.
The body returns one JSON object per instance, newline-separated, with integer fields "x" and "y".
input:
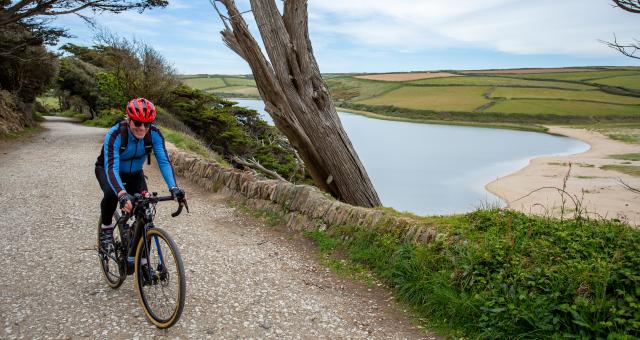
{"x": 302, "y": 207}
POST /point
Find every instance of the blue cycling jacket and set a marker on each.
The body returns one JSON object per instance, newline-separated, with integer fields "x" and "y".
{"x": 133, "y": 157}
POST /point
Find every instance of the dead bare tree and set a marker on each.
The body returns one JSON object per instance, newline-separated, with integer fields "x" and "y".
{"x": 631, "y": 50}
{"x": 296, "y": 96}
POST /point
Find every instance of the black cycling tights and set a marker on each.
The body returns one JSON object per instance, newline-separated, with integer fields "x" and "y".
{"x": 133, "y": 183}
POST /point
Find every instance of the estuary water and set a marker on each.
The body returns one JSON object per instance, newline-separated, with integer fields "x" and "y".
{"x": 432, "y": 169}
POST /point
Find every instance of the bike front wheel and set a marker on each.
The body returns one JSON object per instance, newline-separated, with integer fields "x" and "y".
{"x": 159, "y": 277}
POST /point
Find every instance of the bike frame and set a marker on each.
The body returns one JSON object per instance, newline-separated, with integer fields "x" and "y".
{"x": 144, "y": 209}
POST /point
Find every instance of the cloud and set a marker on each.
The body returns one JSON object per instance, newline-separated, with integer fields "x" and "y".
{"x": 521, "y": 27}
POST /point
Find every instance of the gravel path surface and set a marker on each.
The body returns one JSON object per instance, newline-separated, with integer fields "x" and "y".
{"x": 244, "y": 280}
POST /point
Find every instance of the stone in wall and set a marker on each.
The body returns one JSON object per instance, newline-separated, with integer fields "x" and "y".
{"x": 303, "y": 207}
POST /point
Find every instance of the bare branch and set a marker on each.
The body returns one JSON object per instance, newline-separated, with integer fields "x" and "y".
{"x": 630, "y": 50}
{"x": 26, "y": 9}
{"x": 628, "y": 187}
{"x": 254, "y": 164}
{"x": 632, "y": 6}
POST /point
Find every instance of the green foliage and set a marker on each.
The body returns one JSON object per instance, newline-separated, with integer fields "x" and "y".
{"x": 110, "y": 93}
{"x": 27, "y": 69}
{"x": 186, "y": 142}
{"x": 501, "y": 274}
{"x": 106, "y": 118}
{"x": 78, "y": 78}
{"x": 230, "y": 130}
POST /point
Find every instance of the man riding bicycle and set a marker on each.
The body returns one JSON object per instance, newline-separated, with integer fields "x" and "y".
{"x": 119, "y": 166}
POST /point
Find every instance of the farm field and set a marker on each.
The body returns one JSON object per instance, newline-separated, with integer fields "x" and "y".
{"x": 575, "y": 76}
{"x": 226, "y": 86}
{"x": 501, "y": 81}
{"x": 449, "y": 98}
{"x": 542, "y": 93}
{"x": 559, "y": 95}
{"x": 407, "y": 76}
{"x": 630, "y": 82}
{"x": 529, "y": 70}
{"x": 564, "y": 108}
{"x": 204, "y": 83}
{"x": 569, "y": 95}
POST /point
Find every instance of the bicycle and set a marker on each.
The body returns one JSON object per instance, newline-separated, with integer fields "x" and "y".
{"x": 157, "y": 278}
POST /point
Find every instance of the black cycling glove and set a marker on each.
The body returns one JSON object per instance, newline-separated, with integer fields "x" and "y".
{"x": 124, "y": 198}
{"x": 177, "y": 193}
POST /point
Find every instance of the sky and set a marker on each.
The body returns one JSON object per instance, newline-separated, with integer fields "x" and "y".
{"x": 388, "y": 36}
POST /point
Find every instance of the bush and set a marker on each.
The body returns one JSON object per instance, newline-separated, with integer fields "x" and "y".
{"x": 106, "y": 118}
{"x": 233, "y": 131}
{"x": 502, "y": 274}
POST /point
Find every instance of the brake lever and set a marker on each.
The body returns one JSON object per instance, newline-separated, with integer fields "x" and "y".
{"x": 177, "y": 211}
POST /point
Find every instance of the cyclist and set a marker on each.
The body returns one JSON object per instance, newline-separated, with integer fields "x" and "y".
{"x": 119, "y": 166}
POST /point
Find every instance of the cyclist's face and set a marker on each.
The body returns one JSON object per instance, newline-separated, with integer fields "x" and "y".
{"x": 138, "y": 131}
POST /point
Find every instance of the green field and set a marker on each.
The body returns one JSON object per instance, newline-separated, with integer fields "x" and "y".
{"x": 242, "y": 91}
{"x": 574, "y": 76}
{"x": 239, "y": 82}
{"x": 226, "y": 86}
{"x": 571, "y": 97}
{"x": 350, "y": 88}
{"x": 541, "y": 93}
{"x": 445, "y": 98}
{"x": 564, "y": 108}
{"x": 630, "y": 82}
{"x": 499, "y": 81}
{"x": 204, "y": 83}
{"x": 555, "y": 97}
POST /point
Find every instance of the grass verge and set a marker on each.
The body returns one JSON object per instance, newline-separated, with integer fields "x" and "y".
{"x": 188, "y": 143}
{"x": 627, "y": 156}
{"x": 26, "y": 133}
{"x": 632, "y": 170}
{"x": 498, "y": 273}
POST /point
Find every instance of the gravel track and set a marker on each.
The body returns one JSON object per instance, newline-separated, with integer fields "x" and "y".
{"x": 244, "y": 279}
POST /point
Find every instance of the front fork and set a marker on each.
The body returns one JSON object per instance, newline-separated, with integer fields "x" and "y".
{"x": 143, "y": 233}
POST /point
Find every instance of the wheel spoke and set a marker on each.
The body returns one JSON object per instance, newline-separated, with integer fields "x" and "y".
{"x": 163, "y": 298}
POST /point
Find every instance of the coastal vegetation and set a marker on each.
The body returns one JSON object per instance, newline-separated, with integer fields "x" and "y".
{"x": 497, "y": 273}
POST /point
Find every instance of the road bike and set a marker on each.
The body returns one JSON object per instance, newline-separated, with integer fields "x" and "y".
{"x": 148, "y": 252}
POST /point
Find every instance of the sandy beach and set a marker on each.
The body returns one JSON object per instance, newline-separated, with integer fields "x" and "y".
{"x": 600, "y": 191}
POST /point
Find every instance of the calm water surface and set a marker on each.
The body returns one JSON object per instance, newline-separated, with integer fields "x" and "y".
{"x": 439, "y": 169}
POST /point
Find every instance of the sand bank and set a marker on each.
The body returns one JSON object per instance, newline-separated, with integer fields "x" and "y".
{"x": 599, "y": 190}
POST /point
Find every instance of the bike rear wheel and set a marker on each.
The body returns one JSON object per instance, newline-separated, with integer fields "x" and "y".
{"x": 161, "y": 283}
{"x": 109, "y": 263}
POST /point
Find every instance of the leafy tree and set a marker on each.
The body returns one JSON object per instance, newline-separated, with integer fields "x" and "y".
{"x": 78, "y": 78}
{"x": 235, "y": 132}
{"x": 29, "y": 70}
{"x": 14, "y": 11}
{"x": 137, "y": 70}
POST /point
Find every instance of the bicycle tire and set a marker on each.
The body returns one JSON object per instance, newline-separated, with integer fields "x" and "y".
{"x": 151, "y": 314}
{"x": 114, "y": 281}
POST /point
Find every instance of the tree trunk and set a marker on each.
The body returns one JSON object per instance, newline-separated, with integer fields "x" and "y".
{"x": 297, "y": 98}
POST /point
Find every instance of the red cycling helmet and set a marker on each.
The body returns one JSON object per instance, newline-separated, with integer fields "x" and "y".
{"x": 141, "y": 110}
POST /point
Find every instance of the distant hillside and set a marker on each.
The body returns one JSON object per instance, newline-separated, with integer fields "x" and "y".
{"x": 223, "y": 85}
{"x": 562, "y": 95}
{"x": 528, "y": 95}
